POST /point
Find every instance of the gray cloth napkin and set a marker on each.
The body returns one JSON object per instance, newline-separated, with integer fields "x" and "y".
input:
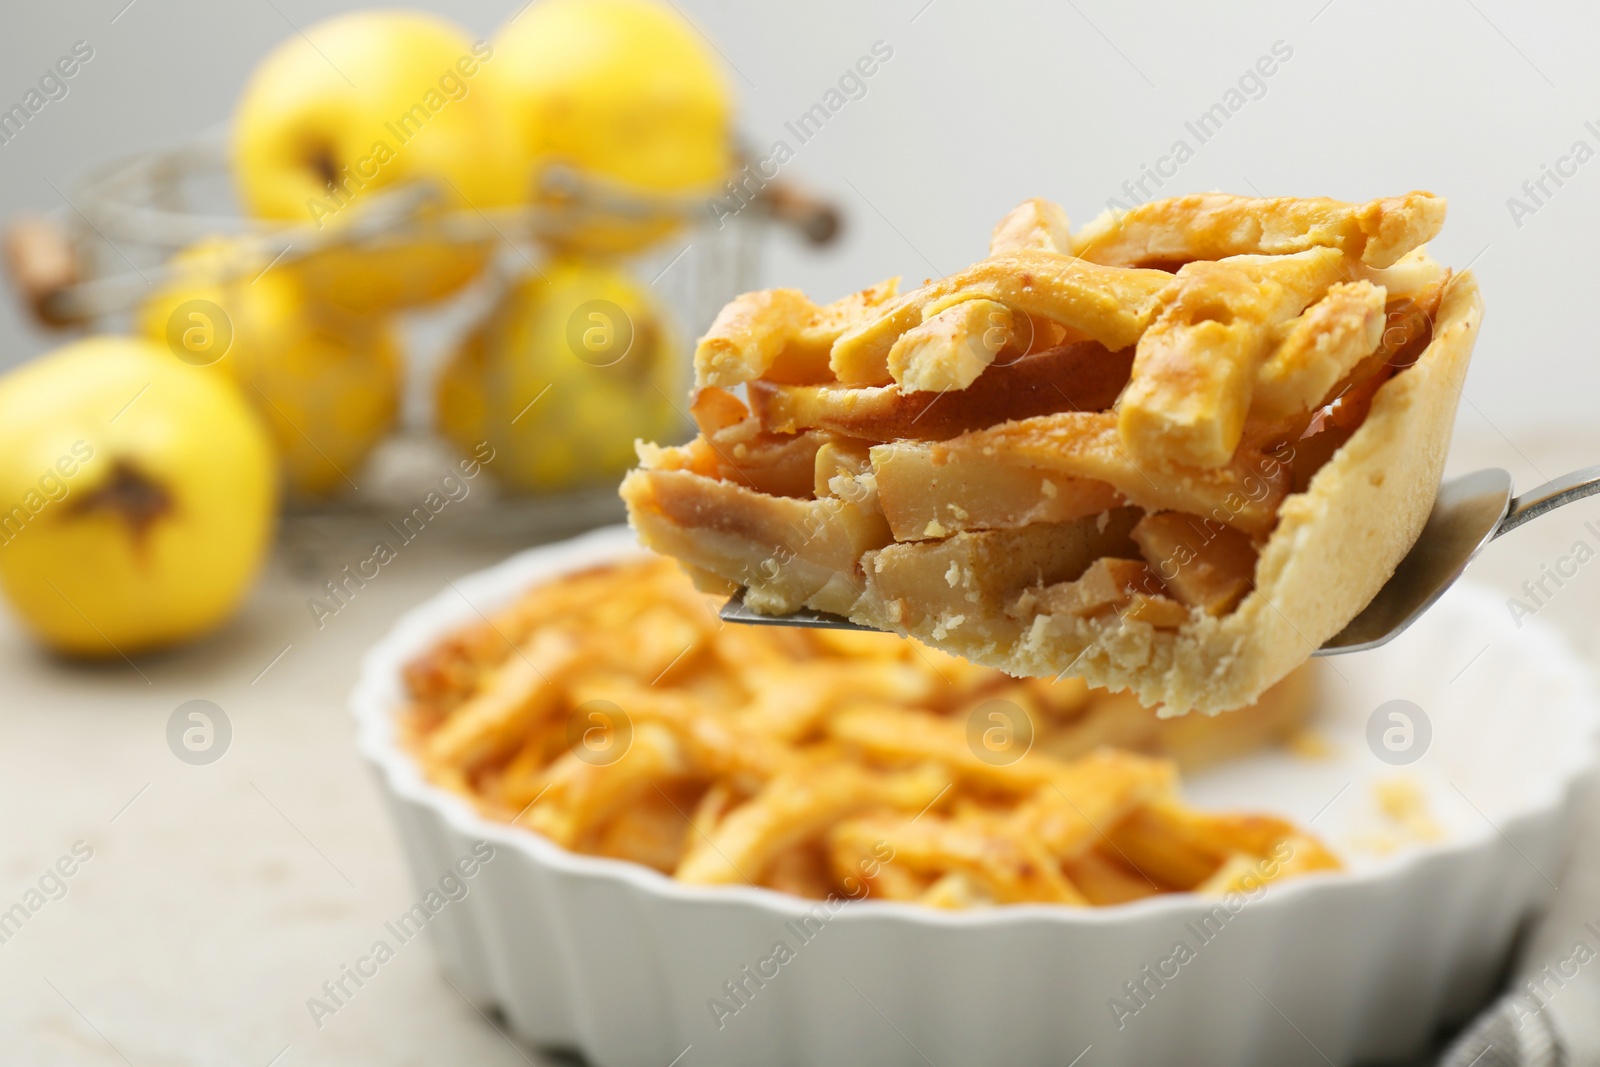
{"x": 1550, "y": 1017}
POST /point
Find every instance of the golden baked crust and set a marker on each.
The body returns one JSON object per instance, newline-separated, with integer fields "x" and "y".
{"x": 1215, "y": 225}
{"x": 1111, "y": 305}
{"x": 1334, "y": 546}
{"x": 1320, "y": 347}
{"x": 1036, "y": 224}
{"x": 1176, "y": 481}
{"x": 1194, "y": 374}
{"x": 780, "y": 334}
{"x": 610, "y": 712}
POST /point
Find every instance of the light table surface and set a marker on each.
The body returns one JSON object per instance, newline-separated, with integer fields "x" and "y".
{"x": 220, "y": 897}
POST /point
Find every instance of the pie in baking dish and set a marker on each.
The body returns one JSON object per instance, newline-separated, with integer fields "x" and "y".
{"x": 1173, "y": 453}
{"x": 610, "y": 711}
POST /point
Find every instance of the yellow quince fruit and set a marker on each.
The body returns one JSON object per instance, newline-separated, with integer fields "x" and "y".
{"x": 137, "y": 497}
{"x": 327, "y": 382}
{"x": 369, "y": 101}
{"x": 567, "y": 370}
{"x": 624, "y": 91}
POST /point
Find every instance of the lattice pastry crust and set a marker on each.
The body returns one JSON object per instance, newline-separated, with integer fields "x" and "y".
{"x": 1172, "y": 454}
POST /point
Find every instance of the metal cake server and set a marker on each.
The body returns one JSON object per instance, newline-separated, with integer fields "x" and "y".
{"x": 1469, "y": 512}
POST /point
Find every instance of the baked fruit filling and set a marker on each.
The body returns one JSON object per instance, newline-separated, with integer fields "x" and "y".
{"x": 1172, "y": 454}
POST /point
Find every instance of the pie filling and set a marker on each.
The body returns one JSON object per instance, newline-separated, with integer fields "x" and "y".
{"x": 1074, "y": 440}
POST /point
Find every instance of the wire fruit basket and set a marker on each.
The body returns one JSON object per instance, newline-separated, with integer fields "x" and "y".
{"x": 88, "y": 266}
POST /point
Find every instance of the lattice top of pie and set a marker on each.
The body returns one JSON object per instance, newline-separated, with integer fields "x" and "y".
{"x": 1077, "y": 452}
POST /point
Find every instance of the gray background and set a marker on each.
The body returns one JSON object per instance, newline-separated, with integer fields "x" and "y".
{"x": 984, "y": 104}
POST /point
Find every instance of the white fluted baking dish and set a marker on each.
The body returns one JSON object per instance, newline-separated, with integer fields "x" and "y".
{"x": 629, "y": 967}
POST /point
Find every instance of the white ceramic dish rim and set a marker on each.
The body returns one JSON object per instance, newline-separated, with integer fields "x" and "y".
{"x": 373, "y": 703}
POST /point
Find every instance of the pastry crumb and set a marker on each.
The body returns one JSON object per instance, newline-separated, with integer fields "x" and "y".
{"x": 1402, "y": 803}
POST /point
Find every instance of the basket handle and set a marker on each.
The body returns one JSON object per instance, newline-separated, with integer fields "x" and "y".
{"x": 816, "y": 219}
{"x": 43, "y": 265}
